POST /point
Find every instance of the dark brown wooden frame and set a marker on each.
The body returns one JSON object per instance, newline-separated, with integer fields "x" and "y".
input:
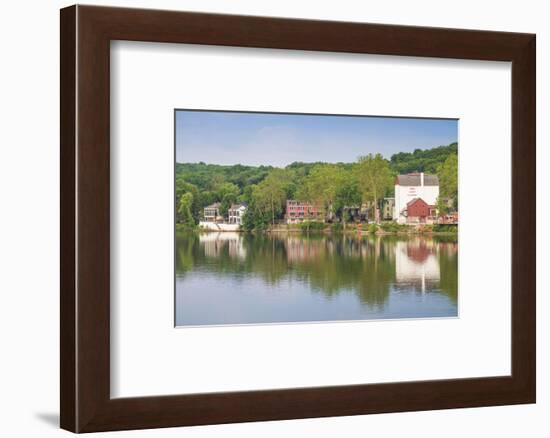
{"x": 86, "y": 33}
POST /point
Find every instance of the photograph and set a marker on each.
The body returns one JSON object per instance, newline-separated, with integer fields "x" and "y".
{"x": 297, "y": 218}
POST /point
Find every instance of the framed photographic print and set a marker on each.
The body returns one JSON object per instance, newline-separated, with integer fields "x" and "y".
{"x": 266, "y": 218}
{"x": 276, "y": 238}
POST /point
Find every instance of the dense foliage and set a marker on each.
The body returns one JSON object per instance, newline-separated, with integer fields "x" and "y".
{"x": 427, "y": 160}
{"x": 331, "y": 187}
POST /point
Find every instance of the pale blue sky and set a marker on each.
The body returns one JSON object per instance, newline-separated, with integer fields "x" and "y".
{"x": 280, "y": 139}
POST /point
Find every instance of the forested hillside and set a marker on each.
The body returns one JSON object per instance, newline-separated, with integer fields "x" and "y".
{"x": 207, "y": 176}
{"x": 427, "y": 160}
{"x": 331, "y": 186}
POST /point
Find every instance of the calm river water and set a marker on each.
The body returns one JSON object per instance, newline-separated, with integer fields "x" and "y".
{"x": 235, "y": 278}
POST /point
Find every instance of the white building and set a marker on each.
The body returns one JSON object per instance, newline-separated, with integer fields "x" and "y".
{"x": 212, "y": 213}
{"x": 411, "y": 186}
{"x": 236, "y": 213}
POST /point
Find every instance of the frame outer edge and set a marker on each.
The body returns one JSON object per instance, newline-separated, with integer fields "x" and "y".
{"x": 92, "y": 218}
{"x": 524, "y": 366}
{"x": 86, "y": 405}
{"x": 67, "y": 332}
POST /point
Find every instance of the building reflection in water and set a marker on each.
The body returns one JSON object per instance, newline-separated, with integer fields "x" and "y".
{"x": 241, "y": 277}
{"x": 416, "y": 259}
{"x": 217, "y": 243}
{"x": 417, "y": 264}
{"x": 371, "y": 266}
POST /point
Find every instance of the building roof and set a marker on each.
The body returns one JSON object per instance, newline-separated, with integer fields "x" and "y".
{"x": 237, "y": 206}
{"x": 415, "y": 200}
{"x": 294, "y": 201}
{"x": 413, "y": 179}
{"x": 214, "y": 205}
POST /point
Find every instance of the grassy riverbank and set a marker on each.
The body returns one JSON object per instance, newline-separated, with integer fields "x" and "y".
{"x": 386, "y": 228}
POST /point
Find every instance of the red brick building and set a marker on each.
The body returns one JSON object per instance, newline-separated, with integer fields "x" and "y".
{"x": 297, "y": 212}
{"x": 419, "y": 211}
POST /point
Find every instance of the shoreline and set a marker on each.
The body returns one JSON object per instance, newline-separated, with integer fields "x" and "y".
{"x": 350, "y": 232}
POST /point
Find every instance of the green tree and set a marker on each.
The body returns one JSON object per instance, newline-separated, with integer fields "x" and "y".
{"x": 184, "y": 214}
{"x": 374, "y": 177}
{"x": 442, "y": 206}
{"x": 270, "y": 194}
{"x": 321, "y": 187}
{"x": 347, "y": 195}
{"x": 183, "y": 187}
{"x": 215, "y": 181}
{"x": 246, "y": 196}
{"x": 448, "y": 179}
{"x": 227, "y": 194}
{"x": 421, "y": 160}
{"x": 255, "y": 218}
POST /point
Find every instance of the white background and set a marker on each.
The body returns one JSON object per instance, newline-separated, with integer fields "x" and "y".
{"x": 150, "y": 357}
{"x": 29, "y": 220}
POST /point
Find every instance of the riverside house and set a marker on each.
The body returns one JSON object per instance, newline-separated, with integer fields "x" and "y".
{"x": 416, "y": 191}
{"x": 387, "y": 208}
{"x": 298, "y": 212}
{"x": 212, "y": 213}
{"x": 236, "y": 213}
{"x": 419, "y": 212}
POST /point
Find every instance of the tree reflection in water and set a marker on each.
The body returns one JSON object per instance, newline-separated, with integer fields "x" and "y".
{"x": 371, "y": 267}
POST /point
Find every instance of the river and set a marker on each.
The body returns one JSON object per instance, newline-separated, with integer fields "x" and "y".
{"x": 239, "y": 278}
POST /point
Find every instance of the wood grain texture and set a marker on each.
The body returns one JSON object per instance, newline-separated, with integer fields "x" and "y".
{"x": 86, "y": 33}
{"x": 67, "y": 243}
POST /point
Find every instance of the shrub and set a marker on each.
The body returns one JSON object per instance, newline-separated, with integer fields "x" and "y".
{"x": 428, "y": 228}
{"x": 337, "y": 228}
{"x": 182, "y": 228}
{"x": 308, "y": 226}
{"x": 390, "y": 227}
{"x": 445, "y": 228}
{"x": 373, "y": 228}
{"x": 352, "y": 226}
